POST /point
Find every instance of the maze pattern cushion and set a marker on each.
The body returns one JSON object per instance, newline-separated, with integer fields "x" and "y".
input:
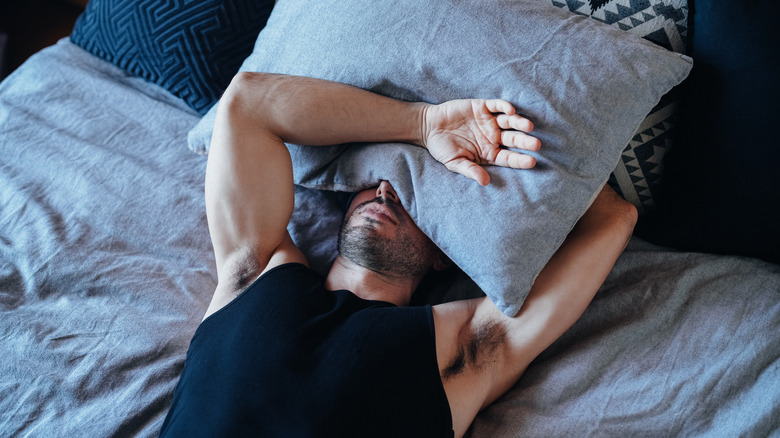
{"x": 191, "y": 48}
{"x": 664, "y": 22}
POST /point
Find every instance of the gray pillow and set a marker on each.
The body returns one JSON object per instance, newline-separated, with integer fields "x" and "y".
{"x": 585, "y": 85}
{"x": 639, "y": 174}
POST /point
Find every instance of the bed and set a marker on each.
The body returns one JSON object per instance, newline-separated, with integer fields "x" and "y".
{"x": 106, "y": 266}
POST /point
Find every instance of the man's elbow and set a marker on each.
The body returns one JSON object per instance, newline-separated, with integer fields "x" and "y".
{"x": 243, "y": 95}
{"x": 243, "y": 110}
{"x": 625, "y": 217}
{"x": 610, "y": 211}
{"x": 629, "y": 215}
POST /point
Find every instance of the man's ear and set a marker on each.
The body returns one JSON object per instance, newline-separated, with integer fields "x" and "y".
{"x": 441, "y": 262}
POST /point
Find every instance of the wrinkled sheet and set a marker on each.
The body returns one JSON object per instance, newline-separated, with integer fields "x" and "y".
{"x": 674, "y": 344}
{"x": 106, "y": 269}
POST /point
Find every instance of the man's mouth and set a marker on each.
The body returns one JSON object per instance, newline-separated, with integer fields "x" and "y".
{"x": 379, "y": 209}
{"x": 381, "y": 214}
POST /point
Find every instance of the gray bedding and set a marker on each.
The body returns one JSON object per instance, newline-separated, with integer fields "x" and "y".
{"x": 106, "y": 269}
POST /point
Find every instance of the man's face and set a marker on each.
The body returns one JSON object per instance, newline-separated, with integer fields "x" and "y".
{"x": 378, "y": 234}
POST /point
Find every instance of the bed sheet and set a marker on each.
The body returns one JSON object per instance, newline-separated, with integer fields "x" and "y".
{"x": 106, "y": 269}
{"x": 674, "y": 345}
{"x": 105, "y": 263}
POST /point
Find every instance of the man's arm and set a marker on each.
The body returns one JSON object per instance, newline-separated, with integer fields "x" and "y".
{"x": 482, "y": 352}
{"x": 249, "y": 183}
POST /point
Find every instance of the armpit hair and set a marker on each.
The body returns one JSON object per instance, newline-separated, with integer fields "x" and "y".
{"x": 478, "y": 349}
{"x": 244, "y": 270}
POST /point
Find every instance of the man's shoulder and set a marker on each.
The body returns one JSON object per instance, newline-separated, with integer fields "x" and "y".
{"x": 244, "y": 269}
{"x": 288, "y": 276}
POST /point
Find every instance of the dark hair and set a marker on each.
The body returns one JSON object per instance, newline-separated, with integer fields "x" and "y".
{"x": 434, "y": 286}
{"x": 344, "y": 199}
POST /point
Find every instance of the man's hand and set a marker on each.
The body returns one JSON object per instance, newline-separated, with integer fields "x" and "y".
{"x": 468, "y": 133}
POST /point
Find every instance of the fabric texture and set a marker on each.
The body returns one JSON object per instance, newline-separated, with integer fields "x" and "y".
{"x": 102, "y": 226}
{"x": 664, "y": 22}
{"x": 534, "y": 55}
{"x": 289, "y": 358}
{"x": 191, "y": 48}
{"x": 632, "y": 359}
{"x": 719, "y": 192}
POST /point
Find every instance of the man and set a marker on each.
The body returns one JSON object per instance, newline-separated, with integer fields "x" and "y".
{"x": 283, "y": 352}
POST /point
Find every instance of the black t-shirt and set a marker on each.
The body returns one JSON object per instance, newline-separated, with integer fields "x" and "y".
{"x": 288, "y": 358}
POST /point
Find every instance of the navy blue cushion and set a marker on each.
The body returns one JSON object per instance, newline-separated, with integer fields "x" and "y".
{"x": 720, "y": 187}
{"x": 191, "y": 48}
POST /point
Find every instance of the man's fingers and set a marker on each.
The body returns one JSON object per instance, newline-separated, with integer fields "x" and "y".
{"x": 499, "y": 106}
{"x": 470, "y": 170}
{"x": 520, "y": 140}
{"x": 504, "y": 158}
{"x": 514, "y": 122}
{"x": 515, "y": 160}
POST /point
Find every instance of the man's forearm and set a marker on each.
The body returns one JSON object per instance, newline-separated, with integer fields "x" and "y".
{"x": 569, "y": 281}
{"x": 317, "y": 112}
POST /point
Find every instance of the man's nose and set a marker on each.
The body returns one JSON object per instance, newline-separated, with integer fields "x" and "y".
{"x": 386, "y": 191}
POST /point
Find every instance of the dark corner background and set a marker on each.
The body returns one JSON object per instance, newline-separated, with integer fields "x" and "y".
{"x": 27, "y": 26}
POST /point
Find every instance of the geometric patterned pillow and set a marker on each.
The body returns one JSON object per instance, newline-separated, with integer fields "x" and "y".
{"x": 192, "y": 48}
{"x": 664, "y": 22}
